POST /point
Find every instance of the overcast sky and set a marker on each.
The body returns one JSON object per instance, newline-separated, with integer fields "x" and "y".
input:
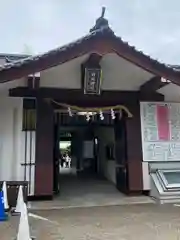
{"x": 152, "y": 26}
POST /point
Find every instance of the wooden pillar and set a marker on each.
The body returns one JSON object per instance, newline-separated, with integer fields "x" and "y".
{"x": 121, "y": 154}
{"x": 134, "y": 150}
{"x": 56, "y": 155}
{"x": 44, "y": 149}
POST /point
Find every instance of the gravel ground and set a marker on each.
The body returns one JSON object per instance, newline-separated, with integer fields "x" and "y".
{"x": 134, "y": 222}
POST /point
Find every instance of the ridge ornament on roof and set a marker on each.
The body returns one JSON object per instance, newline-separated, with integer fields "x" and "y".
{"x": 101, "y": 22}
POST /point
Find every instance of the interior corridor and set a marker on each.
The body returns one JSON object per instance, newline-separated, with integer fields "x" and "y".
{"x": 90, "y": 190}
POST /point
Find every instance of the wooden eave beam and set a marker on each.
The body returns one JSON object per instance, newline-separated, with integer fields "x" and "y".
{"x": 153, "y": 85}
{"x": 76, "y": 97}
{"x": 93, "y": 60}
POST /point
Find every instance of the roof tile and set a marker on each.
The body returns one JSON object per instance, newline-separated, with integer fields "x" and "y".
{"x": 103, "y": 31}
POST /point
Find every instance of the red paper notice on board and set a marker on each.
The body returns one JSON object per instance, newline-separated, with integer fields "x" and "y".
{"x": 163, "y": 123}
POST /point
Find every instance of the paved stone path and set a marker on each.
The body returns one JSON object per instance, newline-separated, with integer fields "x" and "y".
{"x": 134, "y": 222}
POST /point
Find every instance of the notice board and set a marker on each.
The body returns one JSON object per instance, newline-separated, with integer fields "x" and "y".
{"x": 160, "y": 131}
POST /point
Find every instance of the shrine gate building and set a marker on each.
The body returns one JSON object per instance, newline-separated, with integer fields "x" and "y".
{"x": 109, "y": 99}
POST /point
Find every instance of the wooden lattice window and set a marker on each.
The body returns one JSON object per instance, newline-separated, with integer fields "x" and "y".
{"x": 29, "y": 120}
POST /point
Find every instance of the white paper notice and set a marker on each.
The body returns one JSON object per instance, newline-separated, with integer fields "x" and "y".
{"x": 160, "y": 131}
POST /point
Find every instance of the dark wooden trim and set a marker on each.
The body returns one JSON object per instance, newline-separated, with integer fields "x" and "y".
{"x": 36, "y": 82}
{"x": 93, "y": 61}
{"x": 29, "y": 103}
{"x": 33, "y": 82}
{"x": 153, "y": 85}
{"x": 151, "y": 96}
{"x": 76, "y": 97}
{"x": 134, "y": 151}
{"x": 27, "y": 164}
{"x": 30, "y": 82}
{"x": 40, "y": 198}
{"x": 44, "y": 149}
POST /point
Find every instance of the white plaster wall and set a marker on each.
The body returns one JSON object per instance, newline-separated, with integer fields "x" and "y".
{"x": 10, "y": 134}
{"x": 106, "y": 167}
{"x": 12, "y": 142}
{"x": 67, "y": 75}
{"x": 117, "y": 74}
{"x": 171, "y": 92}
{"x": 111, "y": 171}
{"x": 120, "y": 74}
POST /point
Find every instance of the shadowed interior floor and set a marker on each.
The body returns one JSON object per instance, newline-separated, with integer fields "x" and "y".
{"x": 87, "y": 192}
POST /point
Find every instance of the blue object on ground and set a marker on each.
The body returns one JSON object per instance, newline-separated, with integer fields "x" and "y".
{"x": 3, "y": 215}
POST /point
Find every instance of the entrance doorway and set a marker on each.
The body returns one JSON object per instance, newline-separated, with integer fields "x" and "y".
{"x": 65, "y": 154}
{"x": 97, "y": 161}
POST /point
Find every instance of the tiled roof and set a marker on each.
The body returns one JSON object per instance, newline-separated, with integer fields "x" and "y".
{"x": 175, "y": 67}
{"x": 102, "y": 32}
{"x": 24, "y": 61}
{"x": 19, "y": 61}
{"x": 13, "y": 57}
